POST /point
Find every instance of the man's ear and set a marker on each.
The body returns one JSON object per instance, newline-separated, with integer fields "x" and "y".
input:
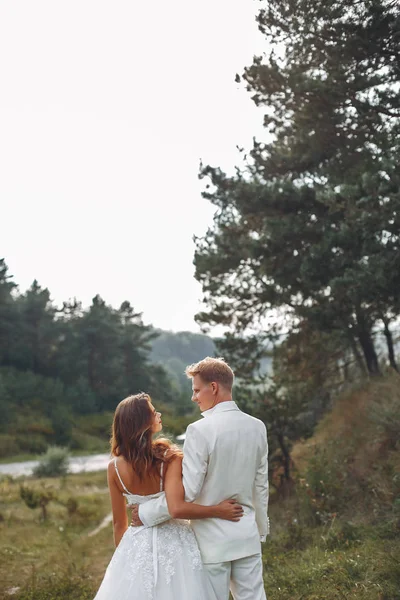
{"x": 214, "y": 387}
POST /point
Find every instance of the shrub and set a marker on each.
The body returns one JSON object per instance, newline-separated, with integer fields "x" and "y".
{"x": 34, "y": 498}
{"x": 71, "y": 505}
{"x": 326, "y": 481}
{"x": 53, "y": 464}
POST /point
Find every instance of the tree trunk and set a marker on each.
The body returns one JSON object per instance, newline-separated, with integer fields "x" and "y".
{"x": 367, "y": 344}
{"x": 43, "y": 505}
{"x": 389, "y": 341}
{"x": 359, "y": 359}
{"x": 368, "y": 349}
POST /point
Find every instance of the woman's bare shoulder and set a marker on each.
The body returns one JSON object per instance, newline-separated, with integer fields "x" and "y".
{"x": 117, "y": 462}
{"x": 174, "y": 465}
{"x": 174, "y": 458}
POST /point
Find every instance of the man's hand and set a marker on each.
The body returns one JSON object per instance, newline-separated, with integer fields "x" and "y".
{"x": 136, "y": 522}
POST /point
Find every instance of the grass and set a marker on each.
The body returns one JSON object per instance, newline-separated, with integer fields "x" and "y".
{"x": 338, "y": 561}
{"x": 56, "y": 560}
{"x": 31, "y": 550}
{"x": 338, "y": 535}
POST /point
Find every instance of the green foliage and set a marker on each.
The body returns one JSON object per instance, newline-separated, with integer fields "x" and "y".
{"x": 8, "y": 445}
{"x": 35, "y": 498}
{"x": 61, "y": 365}
{"x": 8, "y": 315}
{"x": 386, "y": 415}
{"x": 71, "y": 505}
{"x": 175, "y": 351}
{"x": 294, "y": 396}
{"x": 174, "y": 424}
{"x": 310, "y": 227}
{"x": 305, "y": 242}
{"x": 328, "y": 482}
{"x": 80, "y": 398}
{"x": 97, "y": 424}
{"x": 36, "y": 443}
{"x": 336, "y": 535}
{"x": 53, "y": 464}
{"x": 352, "y": 466}
{"x": 185, "y": 347}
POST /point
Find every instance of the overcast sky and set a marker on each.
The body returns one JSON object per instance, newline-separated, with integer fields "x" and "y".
{"x": 106, "y": 109}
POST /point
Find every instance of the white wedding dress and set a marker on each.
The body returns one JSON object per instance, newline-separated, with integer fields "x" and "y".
{"x": 156, "y": 563}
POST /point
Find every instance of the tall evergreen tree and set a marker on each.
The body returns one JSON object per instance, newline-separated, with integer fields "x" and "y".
{"x": 35, "y": 338}
{"x": 311, "y": 227}
{"x": 8, "y": 316}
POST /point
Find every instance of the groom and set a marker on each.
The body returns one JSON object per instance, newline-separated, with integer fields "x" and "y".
{"x": 225, "y": 456}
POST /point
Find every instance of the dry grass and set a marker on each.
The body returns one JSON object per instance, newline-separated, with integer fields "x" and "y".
{"x": 32, "y": 549}
{"x": 358, "y": 440}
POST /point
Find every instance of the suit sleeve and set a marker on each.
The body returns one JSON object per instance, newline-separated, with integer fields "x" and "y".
{"x": 155, "y": 511}
{"x": 195, "y": 463}
{"x": 261, "y": 491}
{"x": 194, "y": 468}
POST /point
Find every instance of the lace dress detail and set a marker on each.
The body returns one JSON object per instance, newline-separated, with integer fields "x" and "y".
{"x": 155, "y": 563}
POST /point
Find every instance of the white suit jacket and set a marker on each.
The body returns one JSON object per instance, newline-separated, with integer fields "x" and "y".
{"x": 225, "y": 456}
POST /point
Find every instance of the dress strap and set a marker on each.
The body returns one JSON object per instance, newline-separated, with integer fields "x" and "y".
{"x": 119, "y": 477}
{"x": 162, "y": 473}
{"x": 161, "y": 476}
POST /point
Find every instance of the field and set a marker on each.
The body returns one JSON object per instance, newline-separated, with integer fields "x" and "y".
{"x": 59, "y": 559}
{"x": 37, "y": 554}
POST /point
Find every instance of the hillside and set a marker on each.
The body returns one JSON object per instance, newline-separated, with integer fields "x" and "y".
{"x": 359, "y": 440}
{"x": 174, "y": 351}
{"x": 337, "y": 534}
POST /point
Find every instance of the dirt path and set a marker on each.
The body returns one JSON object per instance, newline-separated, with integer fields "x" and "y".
{"x": 106, "y": 521}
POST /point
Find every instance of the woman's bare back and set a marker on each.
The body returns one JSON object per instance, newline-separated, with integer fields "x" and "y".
{"x": 149, "y": 485}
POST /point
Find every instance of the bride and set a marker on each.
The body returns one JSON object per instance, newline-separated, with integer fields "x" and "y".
{"x": 161, "y": 562}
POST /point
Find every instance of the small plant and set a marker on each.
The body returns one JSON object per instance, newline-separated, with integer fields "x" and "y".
{"x": 71, "y": 505}
{"x": 36, "y": 498}
{"x": 341, "y": 535}
{"x": 296, "y": 535}
{"x": 54, "y": 463}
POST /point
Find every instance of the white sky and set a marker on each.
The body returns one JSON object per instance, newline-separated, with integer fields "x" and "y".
{"x": 106, "y": 109}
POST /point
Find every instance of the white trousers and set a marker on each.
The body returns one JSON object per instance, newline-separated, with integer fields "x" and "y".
{"x": 244, "y": 578}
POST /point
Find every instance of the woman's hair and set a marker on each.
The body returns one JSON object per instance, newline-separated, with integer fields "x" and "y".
{"x": 132, "y": 436}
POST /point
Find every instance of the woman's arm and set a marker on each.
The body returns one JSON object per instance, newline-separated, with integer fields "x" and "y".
{"x": 118, "y": 505}
{"x": 179, "y": 509}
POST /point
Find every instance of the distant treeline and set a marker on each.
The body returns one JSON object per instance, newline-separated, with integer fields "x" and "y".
{"x": 64, "y": 368}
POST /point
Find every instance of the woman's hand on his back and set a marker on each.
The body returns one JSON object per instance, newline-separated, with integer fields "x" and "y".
{"x": 229, "y": 510}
